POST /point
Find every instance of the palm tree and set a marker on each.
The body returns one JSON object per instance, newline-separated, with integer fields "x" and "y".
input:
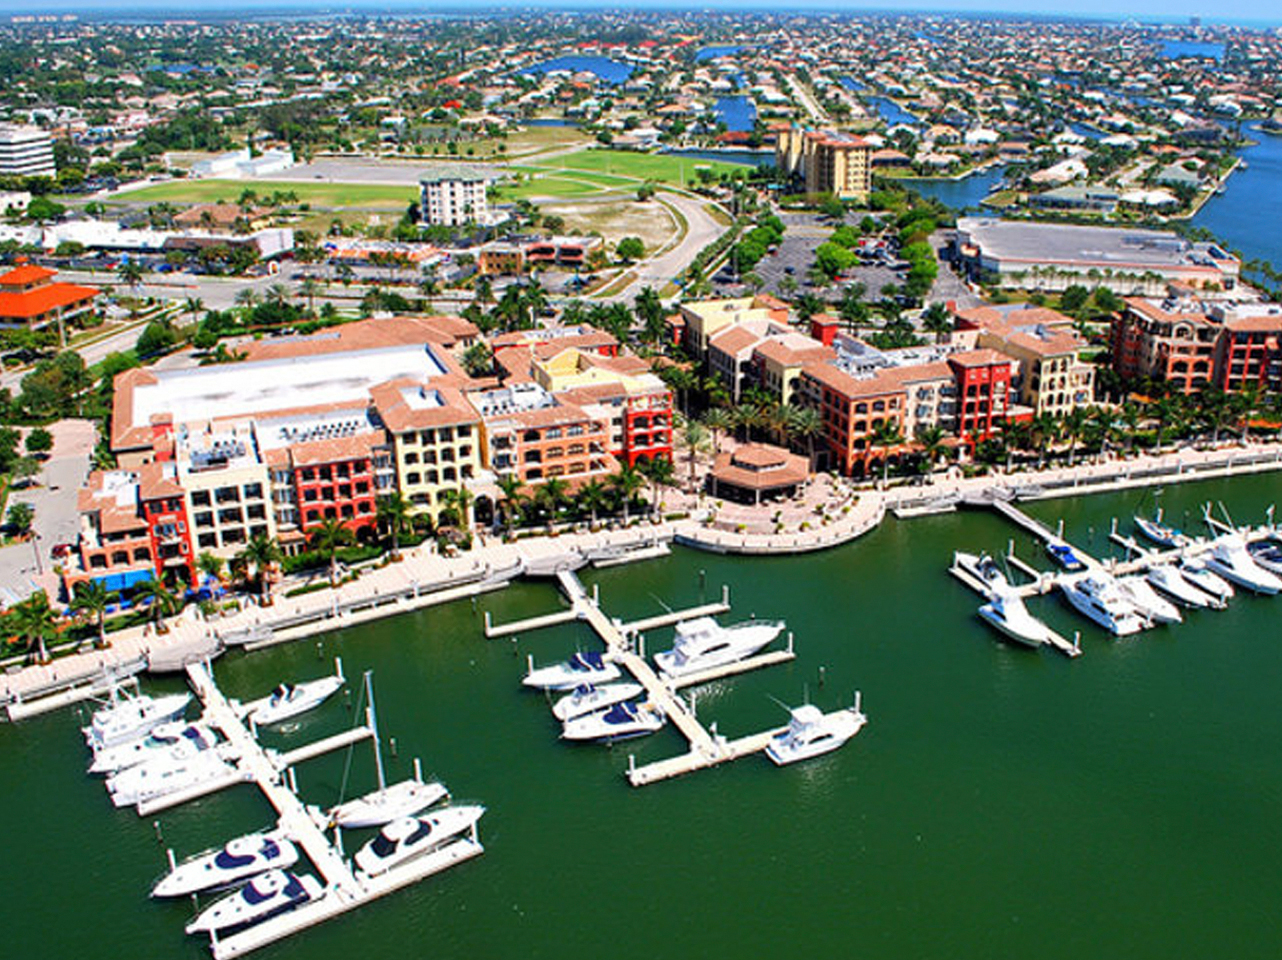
{"x": 1167, "y": 412}
{"x": 626, "y": 481}
{"x": 1073, "y": 427}
{"x": 261, "y": 552}
{"x": 458, "y": 500}
{"x": 805, "y": 423}
{"x": 591, "y": 497}
{"x": 278, "y": 294}
{"x": 550, "y": 496}
{"x": 310, "y": 288}
{"x": 92, "y": 599}
{"x": 718, "y": 421}
{"x": 328, "y": 537}
{"x": 393, "y": 515}
{"x": 649, "y": 310}
{"x": 247, "y": 298}
{"x": 931, "y": 439}
{"x": 511, "y": 486}
{"x": 193, "y": 306}
{"x": 163, "y": 601}
{"x": 694, "y": 441}
{"x": 1131, "y": 414}
{"x": 937, "y": 320}
{"x": 661, "y": 473}
{"x": 885, "y": 434}
{"x": 33, "y": 621}
{"x": 210, "y": 565}
{"x": 1046, "y": 430}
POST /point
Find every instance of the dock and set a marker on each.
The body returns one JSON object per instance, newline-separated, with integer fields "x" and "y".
{"x": 1039, "y": 586}
{"x": 344, "y": 888}
{"x": 625, "y": 645}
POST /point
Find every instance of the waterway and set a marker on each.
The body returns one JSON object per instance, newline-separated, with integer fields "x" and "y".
{"x": 1179, "y": 49}
{"x": 610, "y": 71}
{"x": 1001, "y": 802}
{"x": 754, "y": 158}
{"x": 714, "y": 53}
{"x": 892, "y": 112}
{"x": 963, "y": 194}
{"x": 1246, "y": 215}
{"x": 737, "y": 113}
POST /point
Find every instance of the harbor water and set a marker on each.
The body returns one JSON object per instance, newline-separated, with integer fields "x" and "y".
{"x": 1001, "y": 801}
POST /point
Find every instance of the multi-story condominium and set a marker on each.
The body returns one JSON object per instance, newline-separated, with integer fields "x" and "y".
{"x": 25, "y": 152}
{"x": 455, "y": 194}
{"x": 697, "y": 322}
{"x": 534, "y": 436}
{"x": 983, "y": 391}
{"x": 853, "y": 411}
{"x": 826, "y": 161}
{"x": 1192, "y": 346}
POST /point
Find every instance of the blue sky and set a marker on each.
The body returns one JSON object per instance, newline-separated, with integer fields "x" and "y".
{"x": 1244, "y": 11}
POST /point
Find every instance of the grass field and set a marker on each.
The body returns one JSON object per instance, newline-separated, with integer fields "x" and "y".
{"x": 665, "y": 168}
{"x": 317, "y": 194}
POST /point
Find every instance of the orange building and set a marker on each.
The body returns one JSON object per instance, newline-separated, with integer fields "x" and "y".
{"x": 30, "y": 298}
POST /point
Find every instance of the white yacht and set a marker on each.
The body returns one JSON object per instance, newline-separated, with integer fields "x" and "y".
{"x": 1170, "y": 580}
{"x": 389, "y": 803}
{"x": 1006, "y": 612}
{"x": 984, "y": 569}
{"x": 583, "y": 667}
{"x": 1268, "y": 554}
{"x": 235, "y": 861}
{"x": 812, "y": 733}
{"x": 163, "y": 775}
{"x": 1147, "y": 600}
{"x": 702, "y": 643}
{"x": 288, "y": 701}
{"x": 265, "y": 896}
{"x": 588, "y": 697}
{"x": 1200, "y": 575}
{"x": 129, "y": 717}
{"x": 176, "y": 739}
{"x": 409, "y": 837}
{"x": 1097, "y": 596}
{"x": 1230, "y": 559}
{"x": 623, "y": 721}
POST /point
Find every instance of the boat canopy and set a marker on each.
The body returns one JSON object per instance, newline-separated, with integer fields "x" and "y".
{"x": 587, "y": 660}
{"x": 620, "y": 713}
{"x": 226, "y": 860}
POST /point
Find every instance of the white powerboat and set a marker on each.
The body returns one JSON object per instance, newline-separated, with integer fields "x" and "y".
{"x": 388, "y": 803}
{"x": 288, "y": 701}
{"x": 129, "y": 717}
{"x": 984, "y": 569}
{"x": 1230, "y": 559}
{"x": 1158, "y": 532}
{"x": 235, "y": 861}
{"x": 812, "y": 733}
{"x": 589, "y": 697}
{"x": 1197, "y": 573}
{"x": 1267, "y": 554}
{"x": 623, "y": 721}
{"x": 703, "y": 643}
{"x": 265, "y": 896}
{"x": 1170, "y": 580}
{"x": 409, "y": 837}
{"x": 584, "y": 667}
{"x": 1097, "y": 596}
{"x": 1006, "y": 612}
{"x": 1148, "y": 602}
{"x": 175, "y": 739}
{"x": 163, "y": 776}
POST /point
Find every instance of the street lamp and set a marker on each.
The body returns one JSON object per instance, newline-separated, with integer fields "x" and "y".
{"x": 35, "y": 548}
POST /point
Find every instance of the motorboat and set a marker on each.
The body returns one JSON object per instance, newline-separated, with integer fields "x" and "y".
{"x": 1230, "y": 559}
{"x": 1267, "y": 554}
{"x": 1098, "y": 596}
{"x": 1171, "y": 581}
{"x": 1158, "y": 532}
{"x": 290, "y": 700}
{"x": 265, "y": 896}
{"x": 984, "y": 569}
{"x": 812, "y": 733}
{"x": 1006, "y": 612}
{"x": 1197, "y": 573}
{"x": 623, "y": 721}
{"x": 163, "y": 776}
{"x": 389, "y": 803}
{"x": 1147, "y": 600}
{"x": 1065, "y": 556}
{"x": 584, "y": 667}
{"x": 236, "y": 860}
{"x": 408, "y": 837}
{"x": 587, "y": 698}
{"x": 175, "y": 739}
{"x": 132, "y": 716}
{"x": 702, "y": 643}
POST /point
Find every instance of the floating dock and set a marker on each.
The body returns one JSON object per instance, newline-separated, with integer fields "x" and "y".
{"x": 625, "y": 646}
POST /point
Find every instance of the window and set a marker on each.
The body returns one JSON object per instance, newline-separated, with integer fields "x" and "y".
{"x": 204, "y": 519}
{"x": 200, "y": 498}
{"x": 253, "y": 491}
{"x": 256, "y": 511}
{"x": 427, "y": 436}
{"x": 227, "y": 495}
{"x": 207, "y": 540}
{"x": 411, "y": 458}
{"x": 463, "y": 431}
{"x": 120, "y": 556}
{"x": 413, "y": 478}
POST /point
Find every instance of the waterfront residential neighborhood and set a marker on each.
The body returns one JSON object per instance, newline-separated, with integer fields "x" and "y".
{"x": 433, "y": 357}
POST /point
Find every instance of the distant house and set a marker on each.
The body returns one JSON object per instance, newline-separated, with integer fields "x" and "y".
{"x": 30, "y": 298}
{"x": 1092, "y": 199}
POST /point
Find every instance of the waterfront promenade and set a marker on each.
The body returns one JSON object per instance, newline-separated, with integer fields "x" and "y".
{"x": 424, "y": 577}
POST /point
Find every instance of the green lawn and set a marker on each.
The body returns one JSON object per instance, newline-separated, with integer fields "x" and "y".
{"x": 665, "y": 168}
{"x": 561, "y": 188}
{"x": 320, "y": 194}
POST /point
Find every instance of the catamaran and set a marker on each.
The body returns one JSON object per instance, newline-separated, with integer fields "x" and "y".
{"x": 265, "y": 896}
{"x": 236, "y": 860}
{"x": 131, "y": 716}
{"x": 584, "y": 667}
{"x": 176, "y": 739}
{"x": 703, "y": 643}
{"x": 405, "y": 839}
{"x": 812, "y": 733}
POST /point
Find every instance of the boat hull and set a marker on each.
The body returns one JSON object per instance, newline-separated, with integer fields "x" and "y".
{"x": 311, "y": 695}
{"x": 402, "y": 799}
{"x": 202, "y": 873}
{"x": 447, "y": 825}
{"x": 1023, "y": 636}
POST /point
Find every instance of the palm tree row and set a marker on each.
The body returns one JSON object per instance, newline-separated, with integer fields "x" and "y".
{"x": 550, "y": 501}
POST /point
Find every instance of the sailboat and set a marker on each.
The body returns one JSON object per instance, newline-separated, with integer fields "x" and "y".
{"x": 387, "y": 803}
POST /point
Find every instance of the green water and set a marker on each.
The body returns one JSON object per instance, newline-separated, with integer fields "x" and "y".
{"x": 1000, "y": 803}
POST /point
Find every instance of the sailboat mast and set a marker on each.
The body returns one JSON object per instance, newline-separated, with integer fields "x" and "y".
{"x": 372, "y": 720}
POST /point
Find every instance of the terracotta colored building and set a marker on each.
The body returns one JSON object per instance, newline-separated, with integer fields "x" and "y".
{"x": 30, "y": 298}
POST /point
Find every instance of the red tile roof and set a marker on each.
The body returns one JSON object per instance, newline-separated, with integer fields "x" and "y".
{"x": 37, "y": 302}
{"x": 23, "y": 275}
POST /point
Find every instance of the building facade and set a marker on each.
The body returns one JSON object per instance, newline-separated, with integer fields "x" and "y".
{"x": 26, "y": 152}
{"x": 826, "y": 161}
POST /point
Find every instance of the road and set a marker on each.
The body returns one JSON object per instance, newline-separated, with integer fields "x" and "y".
{"x": 808, "y": 102}
{"x": 701, "y": 229}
